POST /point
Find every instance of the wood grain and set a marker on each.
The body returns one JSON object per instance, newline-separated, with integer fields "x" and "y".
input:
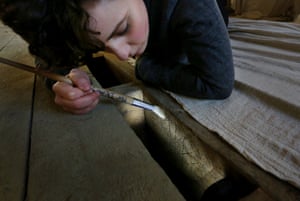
{"x": 16, "y": 89}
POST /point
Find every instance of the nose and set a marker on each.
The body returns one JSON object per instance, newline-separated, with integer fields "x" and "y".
{"x": 120, "y": 48}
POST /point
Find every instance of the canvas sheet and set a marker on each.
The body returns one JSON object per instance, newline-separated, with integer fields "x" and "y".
{"x": 261, "y": 119}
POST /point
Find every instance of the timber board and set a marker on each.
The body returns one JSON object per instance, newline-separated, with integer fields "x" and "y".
{"x": 16, "y": 89}
{"x": 95, "y": 156}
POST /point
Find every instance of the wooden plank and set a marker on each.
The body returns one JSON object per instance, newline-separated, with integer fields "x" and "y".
{"x": 95, "y": 156}
{"x": 6, "y": 35}
{"x": 15, "y": 99}
{"x": 123, "y": 70}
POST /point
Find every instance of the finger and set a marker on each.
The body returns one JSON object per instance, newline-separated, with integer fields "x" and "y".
{"x": 79, "y": 103}
{"x": 82, "y": 110}
{"x": 67, "y": 91}
{"x": 80, "y": 79}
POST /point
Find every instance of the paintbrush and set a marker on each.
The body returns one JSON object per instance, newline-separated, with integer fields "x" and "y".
{"x": 104, "y": 92}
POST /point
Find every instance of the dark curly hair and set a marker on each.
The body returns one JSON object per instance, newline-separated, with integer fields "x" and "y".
{"x": 56, "y": 30}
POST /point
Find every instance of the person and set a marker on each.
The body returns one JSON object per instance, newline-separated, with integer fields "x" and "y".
{"x": 179, "y": 45}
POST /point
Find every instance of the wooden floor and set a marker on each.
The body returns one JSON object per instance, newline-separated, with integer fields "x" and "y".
{"x": 47, "y": 154}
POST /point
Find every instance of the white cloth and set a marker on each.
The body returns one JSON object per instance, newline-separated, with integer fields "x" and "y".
{"x": 261, "y": 119}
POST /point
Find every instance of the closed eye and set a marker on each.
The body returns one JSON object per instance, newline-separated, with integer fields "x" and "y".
{"x": 119, "y": 30}
{"x": 124, "y": 30}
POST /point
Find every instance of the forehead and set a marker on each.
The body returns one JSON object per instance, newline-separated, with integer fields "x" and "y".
{"x": 104, "y": 15}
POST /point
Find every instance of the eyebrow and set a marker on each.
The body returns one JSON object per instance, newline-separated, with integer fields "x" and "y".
{"x": 116, "y": 28}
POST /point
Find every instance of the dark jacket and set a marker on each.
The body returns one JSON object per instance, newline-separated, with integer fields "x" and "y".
{"x": 188, "y": 50}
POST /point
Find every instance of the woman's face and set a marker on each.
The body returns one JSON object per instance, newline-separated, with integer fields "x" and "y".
{"x": 123, "y": 25}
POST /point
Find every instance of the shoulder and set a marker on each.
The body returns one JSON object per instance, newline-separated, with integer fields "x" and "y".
{"x": 197, "y": 17}
{"x": 203, "y": 10}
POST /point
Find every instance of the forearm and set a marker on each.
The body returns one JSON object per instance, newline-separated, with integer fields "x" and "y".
{"x": 186, "y": 79}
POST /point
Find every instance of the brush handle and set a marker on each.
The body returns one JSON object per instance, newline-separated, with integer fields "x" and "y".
{"x": 104, "y": 92}
{"x": 37, "y": 71}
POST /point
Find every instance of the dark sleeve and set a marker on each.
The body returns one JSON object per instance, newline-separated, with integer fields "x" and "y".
{"x": 203, "y": 34}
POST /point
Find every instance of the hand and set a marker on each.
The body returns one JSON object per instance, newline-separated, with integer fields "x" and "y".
{"x": 79, "y": 98}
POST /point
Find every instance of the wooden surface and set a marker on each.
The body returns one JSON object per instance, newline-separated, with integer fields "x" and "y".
{"x": 90, "y": 157}
{"x": 15, "y": 110}
{"x": 47, "y": 154}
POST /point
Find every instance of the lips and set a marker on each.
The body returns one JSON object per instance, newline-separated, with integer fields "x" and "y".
{"x": 137, "y": 53}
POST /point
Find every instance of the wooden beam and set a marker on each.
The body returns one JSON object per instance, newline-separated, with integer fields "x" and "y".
{"x": 95, "y": 156}
{"x": 16, "y": 89}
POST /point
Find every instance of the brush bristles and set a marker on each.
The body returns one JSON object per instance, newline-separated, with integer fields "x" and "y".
{"x": 159, "y": 112}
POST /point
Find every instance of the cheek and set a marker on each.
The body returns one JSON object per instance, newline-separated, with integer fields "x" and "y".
{"x": 139, "y": 33}
{"x": 138, "y": 36}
